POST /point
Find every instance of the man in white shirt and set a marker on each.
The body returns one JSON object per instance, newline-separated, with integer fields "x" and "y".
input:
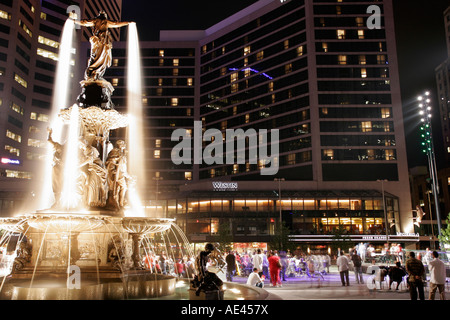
{"x": 258, "y": 261}
{"x": 254, "y": 279}
{"x": 343, "y": 267}
{"x": 437, "y": 276}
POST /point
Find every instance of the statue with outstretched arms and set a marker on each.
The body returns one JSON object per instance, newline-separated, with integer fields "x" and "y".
{"x": 101, "y": 44}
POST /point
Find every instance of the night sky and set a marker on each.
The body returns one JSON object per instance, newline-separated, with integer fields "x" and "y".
{"x": 420, "y": 45}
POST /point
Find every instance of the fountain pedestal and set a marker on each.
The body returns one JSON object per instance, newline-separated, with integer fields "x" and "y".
{"x": 96, "y": 93}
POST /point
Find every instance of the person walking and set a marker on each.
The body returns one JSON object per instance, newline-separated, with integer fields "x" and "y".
{"x": 416, "y": 272}
{"x": 274, "y": 269}
{"x": 230, "y": 259}
{"x": 357, "y": 265}
{"x": 343, "y": 266}
{"x": 437, "y": 276}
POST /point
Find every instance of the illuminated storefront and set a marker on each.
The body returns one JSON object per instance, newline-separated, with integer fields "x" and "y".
{"x": 251, "y": 216}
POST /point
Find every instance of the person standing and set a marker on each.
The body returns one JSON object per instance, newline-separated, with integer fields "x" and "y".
{"x": 437, "y": 276}
{"x": 343, "y": 266}
{"x": 265, "y": 266}
{"x": 416, "y": 272}
{"x": 274, "y": 269}
{"x": 258, "y": 262}
{"x": 230, "y": 259}
{"x": 357, "y": 264}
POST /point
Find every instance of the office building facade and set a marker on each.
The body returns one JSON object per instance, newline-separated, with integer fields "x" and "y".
{"x": 315, "y": 71}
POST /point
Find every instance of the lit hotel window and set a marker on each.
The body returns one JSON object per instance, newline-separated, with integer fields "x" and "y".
{"x": 176, "y": 62}
{"x": 299, "y": 51}
{"x": 115, "y": 82}
{"x": 25, "y": 28}
{"x": 234, "y": 87}
{"x": 156, "y": 154}
{"x": 35, "y": 143}
{"x": 288, "y": 68}
{"x": 5, "y": 15}
{"x": 260, "y": 55}
{"x": 366, "y": 126}
{"x": 20, "y": 80}
{"x": 115, "y": 62}
{"x": 362, "y": 59}
{"x": 385, "y": 112}
{"x": 360, "y": 34}
{"x": 235, "y": 168}
{"x": 43, "y": 16}
{"x": 381, "y": 59}
{"x": 359, "y": 22}
{"x": 13, "y": 136}
{"x": 340, "y": 34}
{"x": 175, "y": 71}
{"x": 49, "y": 42}
{"x": 212, "y": 173}
{"x": 16, "y": 108}
{"x": 325, "y": 46}
{"x": 12, "y": 150}
{"x": 328, "y": 154}
{"x": 161, "y": 53}
{"x": 270, "y": 85}
{"x": 233, "y": 77}
{"x": 342, "y": 59}
{"x": 338, "y": 10}
{"x": 17, "y": 174}
{"x": 158, "y": 143}
{"x": 247, "y": 50}
{"x": 174, "y": 102}
{"x": 389, "y": 154}
{"x": 39, "y": 117}
{"x": 190, "y": 81}
{"x": 286, "y": 44}
{"x": 188, "y": 175}
{"x": 363, "y": 73}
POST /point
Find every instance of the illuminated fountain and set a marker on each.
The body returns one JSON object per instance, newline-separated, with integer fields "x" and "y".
{"x": 89, "y": 237}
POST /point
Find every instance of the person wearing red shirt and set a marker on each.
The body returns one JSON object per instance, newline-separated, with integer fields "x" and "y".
{"x": 274, "y": 269}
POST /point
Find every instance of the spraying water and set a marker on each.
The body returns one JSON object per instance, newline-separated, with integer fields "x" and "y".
{"x": 135, "y": 139}
{"x": 60, "y": 101}
{"x": 70, "y": 197}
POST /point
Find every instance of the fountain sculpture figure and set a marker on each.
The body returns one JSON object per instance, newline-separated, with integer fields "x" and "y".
{"x": 93, "y": 234}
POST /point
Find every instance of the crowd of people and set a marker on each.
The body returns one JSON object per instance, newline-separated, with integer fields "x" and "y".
{"x": 413, "y": 271}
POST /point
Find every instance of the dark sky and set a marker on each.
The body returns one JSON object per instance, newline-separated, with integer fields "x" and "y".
{"x": 420, "y": 44}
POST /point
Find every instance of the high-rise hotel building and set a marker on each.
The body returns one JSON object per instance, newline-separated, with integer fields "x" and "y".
{"x": 312, "y": 69}
{"x": 315, "y": 71}
{"x": 30, "y": 32}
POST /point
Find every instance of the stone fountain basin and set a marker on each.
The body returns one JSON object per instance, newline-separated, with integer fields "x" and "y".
{"x": 152, "y": 286}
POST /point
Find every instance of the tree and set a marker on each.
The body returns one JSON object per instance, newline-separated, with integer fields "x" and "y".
{"x": 280, "y": 239}
{"x": 444, "y": 237}
{"x": 340, "y": 240}
{"x": 225, "y": 237}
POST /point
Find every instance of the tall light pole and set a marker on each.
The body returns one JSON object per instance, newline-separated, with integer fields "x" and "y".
{"x": 157, "y": 191}
{"x": 279, "y": 200}
{"x": 428, "y": 148}
{"x": 384, "y": 210}
{"x": 279, "y": 196}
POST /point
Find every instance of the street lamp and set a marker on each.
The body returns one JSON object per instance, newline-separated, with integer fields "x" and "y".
{"x": 279, "y": 195}
{"x": 384, "y": 210}
{"x": 157, "y": 191}
{"x": 428, "y": 148}
{"x": 279, "y": 199}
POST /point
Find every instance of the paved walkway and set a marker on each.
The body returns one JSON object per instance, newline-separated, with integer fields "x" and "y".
{"x": 330, "y": 288}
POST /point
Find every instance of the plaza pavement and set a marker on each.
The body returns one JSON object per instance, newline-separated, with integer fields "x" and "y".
{"x": 330, "y": 288}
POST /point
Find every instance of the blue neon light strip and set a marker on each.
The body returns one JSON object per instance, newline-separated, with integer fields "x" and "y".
{"x": 251, "y": 69}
